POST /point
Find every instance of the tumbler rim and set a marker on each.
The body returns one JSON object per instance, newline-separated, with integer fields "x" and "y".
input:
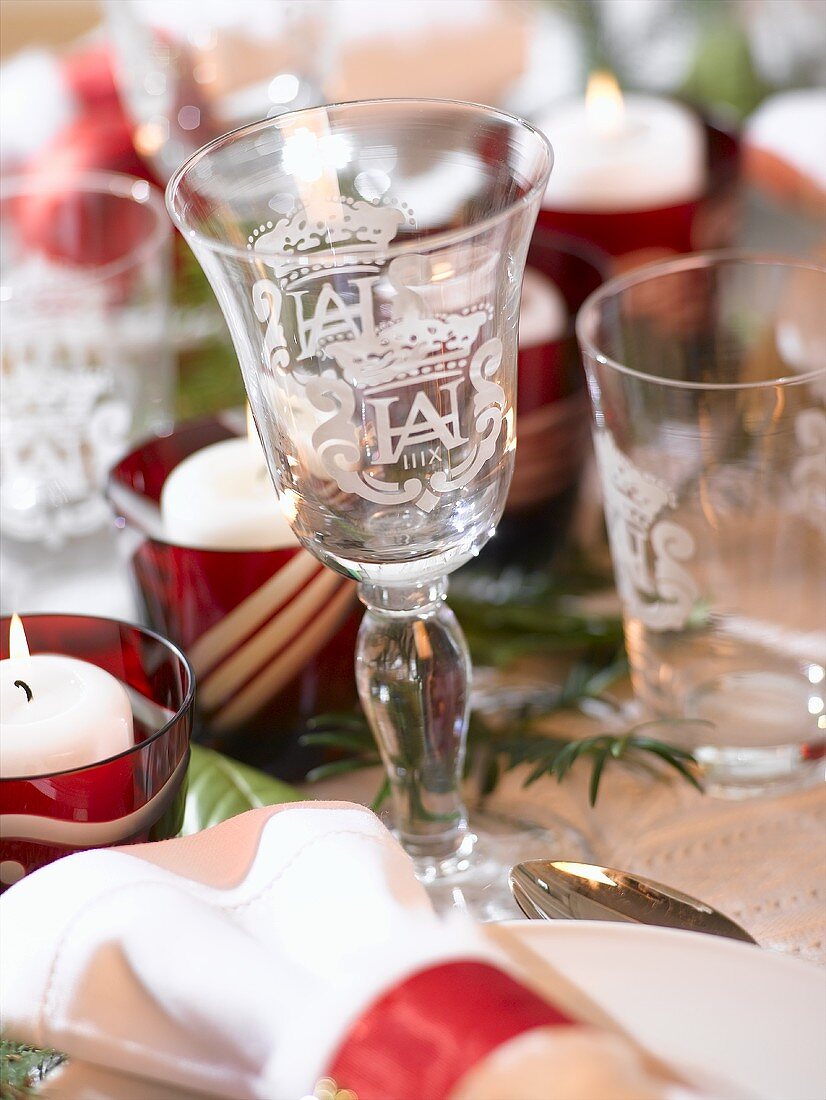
{"x": 183, "y": 708}
{"x": 120, "y": 185}
{"x": 437, "y": 240}
{"x": 692, "y": 262}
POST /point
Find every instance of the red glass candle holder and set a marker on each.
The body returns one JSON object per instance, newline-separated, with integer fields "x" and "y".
{"x": 135, "y": 796}
{"x": 553, "y": 420}
{"x": 270, "y": 633}
{"x": 650, "y": 233}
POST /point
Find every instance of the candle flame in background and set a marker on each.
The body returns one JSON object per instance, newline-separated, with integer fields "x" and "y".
{"x": 604, "y": 105}
{"x": 442, "y": 269}
{"x": 313, "y": 156}
{"x": 18, "y": 646}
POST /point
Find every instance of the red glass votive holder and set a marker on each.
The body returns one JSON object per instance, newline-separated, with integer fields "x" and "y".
{"x": 553, "y": 419}
{"x": 270, "y": 633}
{"x": 709, "y": 221}
{"x": 135, "y": 796}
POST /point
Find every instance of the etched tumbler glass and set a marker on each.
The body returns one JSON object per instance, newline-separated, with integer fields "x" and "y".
{"x": 86, "y": 361}
{"x": 708, "y": 378}
{"x": 369, "y": 257}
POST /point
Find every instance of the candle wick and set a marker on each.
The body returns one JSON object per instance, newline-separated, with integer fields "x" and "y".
{"x": 25, "y": 687}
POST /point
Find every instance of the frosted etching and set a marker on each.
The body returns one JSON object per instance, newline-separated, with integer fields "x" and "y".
{"x": 647, "y": 549}
{"x": 405, "y": 396}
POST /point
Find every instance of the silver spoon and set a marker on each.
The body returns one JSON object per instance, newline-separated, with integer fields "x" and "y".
{"x": 545, "y": 889}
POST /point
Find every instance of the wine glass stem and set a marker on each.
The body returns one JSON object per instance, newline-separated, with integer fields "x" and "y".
{"x": 413, "y": 674}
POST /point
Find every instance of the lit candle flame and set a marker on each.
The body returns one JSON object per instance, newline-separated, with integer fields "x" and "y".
{"x": 18, "y": 646}
{"x": 442, "y": 269}
{"x": 312, "y": 155}
{"x": 604, "y": 106}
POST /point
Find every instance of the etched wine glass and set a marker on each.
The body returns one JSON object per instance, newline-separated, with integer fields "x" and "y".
{"x": 368, "y": 257}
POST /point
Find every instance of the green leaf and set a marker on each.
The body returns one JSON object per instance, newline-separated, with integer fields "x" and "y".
{"x": 220, "y": 788}
{"x": 382, "y": 795}
{"x": 354, "y": 723}
{"x": 332, "y": 740}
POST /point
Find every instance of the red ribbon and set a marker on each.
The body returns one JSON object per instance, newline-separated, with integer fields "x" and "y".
{"x": 420, "y": 1038}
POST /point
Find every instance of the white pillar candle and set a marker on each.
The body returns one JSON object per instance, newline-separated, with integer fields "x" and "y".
{"x": 543, "y": 315}
{"x": 57, "y": 712}
{"x": 222, "y": 498}
{"x": 612, "y": 153}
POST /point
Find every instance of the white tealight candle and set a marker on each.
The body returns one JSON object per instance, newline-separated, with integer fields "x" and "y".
{"x": 57, "y": 713}
{"x": 222, "y": 498}
{"x": 614, "y": 153}
{"x": 543, "y": 315}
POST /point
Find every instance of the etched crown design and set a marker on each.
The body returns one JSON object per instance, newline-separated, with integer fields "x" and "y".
{"x": 409, "y": 350}
{"x": 303, "y": 244}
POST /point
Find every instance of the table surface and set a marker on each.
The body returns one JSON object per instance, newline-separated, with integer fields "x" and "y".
{"x": 762, "y": 860}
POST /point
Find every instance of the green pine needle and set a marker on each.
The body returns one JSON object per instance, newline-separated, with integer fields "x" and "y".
{"x": 23, "y": 1067}
{"x": 494, "y": 750}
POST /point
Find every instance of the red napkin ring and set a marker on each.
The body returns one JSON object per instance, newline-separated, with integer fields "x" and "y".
{"x": 422, "y": 1036}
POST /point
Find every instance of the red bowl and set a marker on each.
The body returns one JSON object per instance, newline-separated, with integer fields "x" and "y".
{"x": 133, "y": 797}
{"x": 270, "y": 633}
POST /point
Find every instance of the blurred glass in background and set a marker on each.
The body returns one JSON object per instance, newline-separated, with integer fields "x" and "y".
{"x": 84, "y": 344}
{"x": 193, "y": 69}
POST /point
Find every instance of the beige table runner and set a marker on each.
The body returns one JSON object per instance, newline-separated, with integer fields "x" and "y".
{"x": 762, "y": 861}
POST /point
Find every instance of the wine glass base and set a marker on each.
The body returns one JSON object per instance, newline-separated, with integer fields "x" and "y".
{"x": 475, "y": 879}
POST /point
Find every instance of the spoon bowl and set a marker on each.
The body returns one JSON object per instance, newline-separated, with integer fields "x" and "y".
{"x": 548, "y": 889}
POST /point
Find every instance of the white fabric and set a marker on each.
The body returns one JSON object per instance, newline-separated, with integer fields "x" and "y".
{"x": 232, "y": 962}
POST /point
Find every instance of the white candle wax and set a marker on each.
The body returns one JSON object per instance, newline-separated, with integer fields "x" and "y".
{"x": 646, "y": 153}
{"x": 222, "y": 498}
{"x": 78, "y": 715}
{"x": 543, "y": 315}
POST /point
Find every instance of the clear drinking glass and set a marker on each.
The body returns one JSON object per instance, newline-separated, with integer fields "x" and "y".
{"x": 189, "y": 70}
{"x": 368, "y": 257}
{"x": 87, "y": 364}
{"x": 708, "y": 379}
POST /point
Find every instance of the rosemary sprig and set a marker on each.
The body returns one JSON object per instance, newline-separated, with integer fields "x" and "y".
{"x": 23, "y": 1067}
{"x": 497, "y": 747}
{"x": 535, "y": 620}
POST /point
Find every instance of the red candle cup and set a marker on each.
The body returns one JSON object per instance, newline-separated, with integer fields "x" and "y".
{"x": 553, "y": 424}
{"x": 270, "y": 633}
{"x": 135, "y": 796}
{"x": 639, "y": 235}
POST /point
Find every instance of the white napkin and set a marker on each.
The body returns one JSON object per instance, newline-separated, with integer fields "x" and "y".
{"x": 234, "y": 961}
